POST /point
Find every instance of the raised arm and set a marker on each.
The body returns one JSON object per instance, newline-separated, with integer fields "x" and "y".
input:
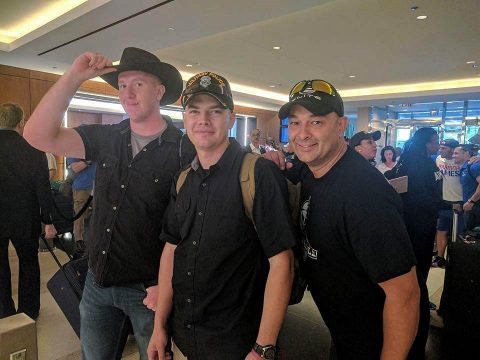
{"x": 44, "y": 127}
{"x": 400, "y": 315}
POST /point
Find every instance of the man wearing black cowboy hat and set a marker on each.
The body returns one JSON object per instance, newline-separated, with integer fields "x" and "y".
{"x": 136, "y": 160}
{"x": 225, "y": 276}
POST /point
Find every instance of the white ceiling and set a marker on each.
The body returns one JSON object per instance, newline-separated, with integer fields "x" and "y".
{"x": 380, "y": 42}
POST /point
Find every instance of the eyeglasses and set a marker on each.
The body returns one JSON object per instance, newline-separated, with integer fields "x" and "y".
{"x": 315, "y": 85}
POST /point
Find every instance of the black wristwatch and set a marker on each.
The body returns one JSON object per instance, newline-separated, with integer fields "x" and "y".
{"x": 266, "y": 352}
{"x": 471, "y": 201}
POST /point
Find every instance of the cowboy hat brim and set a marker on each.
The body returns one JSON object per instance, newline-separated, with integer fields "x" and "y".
{"x": 168, "y": 74}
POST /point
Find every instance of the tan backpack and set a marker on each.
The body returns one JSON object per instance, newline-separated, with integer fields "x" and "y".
{"x": 247, "y": 184}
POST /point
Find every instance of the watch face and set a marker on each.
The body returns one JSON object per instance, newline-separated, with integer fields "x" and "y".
{"x": 269, "y": 354}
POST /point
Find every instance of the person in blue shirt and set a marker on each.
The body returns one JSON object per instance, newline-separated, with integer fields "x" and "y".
{"x": 470, "y": 180}
{"x": 82, "y": 187}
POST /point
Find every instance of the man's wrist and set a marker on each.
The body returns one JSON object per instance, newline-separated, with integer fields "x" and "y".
{"x": 255, "y": 355}
{"x": 267, "y": 352}
{"x": 472, "y": 201}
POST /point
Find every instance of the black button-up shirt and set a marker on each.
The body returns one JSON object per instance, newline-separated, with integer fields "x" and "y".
{"x": 221, "y": 264}
{"x": 131, "y": 195}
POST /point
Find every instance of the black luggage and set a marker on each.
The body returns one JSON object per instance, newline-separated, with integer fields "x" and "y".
{"x": 66, "y": 287}
{"x": 462, "y": 298}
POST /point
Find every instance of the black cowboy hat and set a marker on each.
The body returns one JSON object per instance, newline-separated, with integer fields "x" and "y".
{"x": 141, "y": 60}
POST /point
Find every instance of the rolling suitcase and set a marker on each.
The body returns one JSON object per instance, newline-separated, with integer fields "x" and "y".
{"x": 462, "y": 296}
{"x": 66, "y": 288}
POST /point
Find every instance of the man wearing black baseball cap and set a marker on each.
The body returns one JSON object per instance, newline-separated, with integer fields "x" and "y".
{"x": 364, "y": 143}
{"x": 452, "y": 196}
{"x": 136, "y": 161}
{"x": 359, "y": 260}
{"x": 225, "y": 282}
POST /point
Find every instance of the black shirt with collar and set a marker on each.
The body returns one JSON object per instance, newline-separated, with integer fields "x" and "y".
{"x": 131, "y": 195}
{"x": 220, "y": 263}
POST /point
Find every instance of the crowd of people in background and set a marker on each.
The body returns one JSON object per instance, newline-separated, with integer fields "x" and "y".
{"x": 187, "y": 261}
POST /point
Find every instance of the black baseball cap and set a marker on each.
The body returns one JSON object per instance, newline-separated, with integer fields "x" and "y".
{"x": 451, "y": 143}
{"x": 362, "y": 135}
{"x": 211, "y": 84}
{"x": 317, "y": 96}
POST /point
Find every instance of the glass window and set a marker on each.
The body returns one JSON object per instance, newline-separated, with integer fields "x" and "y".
{"x": 405, "y": 116}
{"x": 403, "y": 134}
{"x": 284, "y": 130}
{"x": 473, "y": 104}
{"x": 455, "y": 105}
{"x": 470, "y": 131}
{"x": 284, "y": 135}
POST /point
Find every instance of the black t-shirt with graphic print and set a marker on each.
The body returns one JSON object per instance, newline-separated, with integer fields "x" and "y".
{"x": 354, "y": 238}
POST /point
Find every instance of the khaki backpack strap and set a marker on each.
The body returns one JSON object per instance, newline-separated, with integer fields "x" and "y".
{"x": 247, "y": 183}
{"x": 181, "y": 178}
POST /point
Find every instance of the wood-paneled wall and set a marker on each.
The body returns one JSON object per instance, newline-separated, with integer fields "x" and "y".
{"x": 27, "y": 87}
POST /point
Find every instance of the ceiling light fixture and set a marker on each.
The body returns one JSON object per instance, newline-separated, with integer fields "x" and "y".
{"x": 421, "y": 17}
{"x": 46, "y": 12}
{"x": 470, "y": 62}
{"x": 352, "y": 76}
{"x": 406, "y": 88}
{"x": 276, "y": 48}
{"x": 189, "y": 65}
{"x": 272, "y": 86}
{"x": 413, "y": 8}
{"x": 171, "y": 29}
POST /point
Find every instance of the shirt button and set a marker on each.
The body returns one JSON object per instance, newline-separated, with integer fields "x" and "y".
{"x": 189, "y": 326}
{"x": 189, "y": 273}
{"x": 122, "y": 186}
{"x": 203, "y": 185}
{"x": 114, "y": 208}
{"x": 104, "y": 165}
{"x": 103, "y": 252}
{"x": 108, "y": 230}
{"x": 144, "y": 149}
{"x": 200, "y": 213}
{"x": 189, "y": 300}
{"x": 129, "y": 166}
{"x": 156, "y": 180}
{"x": 194, "y": 243}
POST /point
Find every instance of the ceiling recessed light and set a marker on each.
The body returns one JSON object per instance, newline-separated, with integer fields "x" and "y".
{"x": 171, "y": 28}
{"x": 276, "y": 48}
{"x": 470, "y": 62}
{"x": 352, "y": 76}
{"x": 421, "y": 17}
{"x": 189, "y": 65}
{"x": 272, "y": 86}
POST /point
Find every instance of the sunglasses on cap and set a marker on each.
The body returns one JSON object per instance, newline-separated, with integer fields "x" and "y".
{"x": 315, "y": 85}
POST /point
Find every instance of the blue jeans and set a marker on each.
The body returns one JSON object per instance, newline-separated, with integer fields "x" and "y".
{"x": 103, "y": 312}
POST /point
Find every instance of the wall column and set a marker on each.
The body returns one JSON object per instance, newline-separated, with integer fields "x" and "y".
{"x": 363, "y": 121}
